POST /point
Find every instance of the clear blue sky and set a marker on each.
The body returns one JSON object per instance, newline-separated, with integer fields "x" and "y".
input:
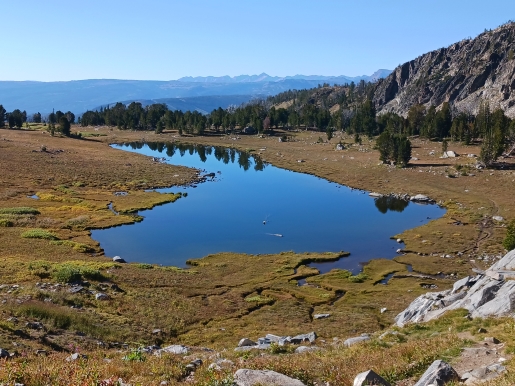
{"x": 164, "y": 39}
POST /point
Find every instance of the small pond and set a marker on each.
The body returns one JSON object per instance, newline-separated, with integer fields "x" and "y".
{"x": 253, "y": 207}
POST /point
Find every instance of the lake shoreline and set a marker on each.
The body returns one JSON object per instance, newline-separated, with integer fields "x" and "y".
{"x": 338, "y": 216}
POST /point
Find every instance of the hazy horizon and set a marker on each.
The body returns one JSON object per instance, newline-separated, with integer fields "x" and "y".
{"x": 198, "y": 76}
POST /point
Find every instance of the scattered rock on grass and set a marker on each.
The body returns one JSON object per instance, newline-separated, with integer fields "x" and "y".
{"x": 359, "y": 339}
{"x": 369, "y": 378}
{"x": 483, "y": 374}
{"x": 34, "y": 325}
{"x": 246, "y": 377}
{"x": 246, "y": 342}
{"x": 492, "y": 339}
{"x": 76, "y": 356}
{"x": 173, "y": 349}
{"x": 262, "y": 346}
{"x": 4, "y": 353}
{"x": 438, "y": 374}
{"x": 309, "y": 337}
{"x": 302, "y": 349}
{"x": 221, "y": 364}
{"x": 321, "y": 316}
{"x": 101, "y": 296}
{"x": 192, "y": 366}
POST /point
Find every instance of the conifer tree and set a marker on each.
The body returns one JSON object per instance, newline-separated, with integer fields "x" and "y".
{"x": 509, "y": 240}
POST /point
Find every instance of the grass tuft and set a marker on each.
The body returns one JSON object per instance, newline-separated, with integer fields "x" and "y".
{"x": 64, "y": 318}
{"x": 6, "y": 223}
{"x": 19, "y": 210}
{"x": 39, "y": 234}
{"x": 68, "y": 272}
{"x": 79, "y": 247}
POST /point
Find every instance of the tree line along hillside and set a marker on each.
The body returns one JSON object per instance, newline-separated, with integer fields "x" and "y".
{"x": 347, "y": 108}
{"x": 17, "y": 118}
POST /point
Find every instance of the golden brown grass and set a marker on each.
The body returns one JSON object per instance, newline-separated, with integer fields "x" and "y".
{"x": 226, "y": 296}
{"x": 396, "y": 357}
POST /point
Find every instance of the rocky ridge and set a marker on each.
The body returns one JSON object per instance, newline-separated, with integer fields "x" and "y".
{"x": 462, "y": 74}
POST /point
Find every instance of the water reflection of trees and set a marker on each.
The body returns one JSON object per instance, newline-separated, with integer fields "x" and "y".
{"x": 245, "y": 160}
{"x": 259, "y": 165}
{"x": 201, "y": 151}
{"x": 170, "y": 149}
{"x": 135, "y": 145}
{"x": 219, "y": 152}
{"x": 386, "y": 203}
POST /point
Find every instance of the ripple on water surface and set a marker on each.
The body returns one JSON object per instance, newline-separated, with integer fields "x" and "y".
{"x": 253, "y": 207}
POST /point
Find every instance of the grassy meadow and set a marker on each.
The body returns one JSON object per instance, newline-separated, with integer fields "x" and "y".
{"x": 46, "y": 249}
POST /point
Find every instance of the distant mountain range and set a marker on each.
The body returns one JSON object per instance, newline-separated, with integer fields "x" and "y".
{"x": 342, "y": 79}
{"x": 81, "y": 95}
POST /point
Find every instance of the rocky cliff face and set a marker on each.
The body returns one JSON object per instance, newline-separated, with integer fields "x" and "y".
{"x": 462, "y": 74}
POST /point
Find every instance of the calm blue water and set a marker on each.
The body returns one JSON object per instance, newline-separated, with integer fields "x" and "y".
{"x": 227, "y": 214}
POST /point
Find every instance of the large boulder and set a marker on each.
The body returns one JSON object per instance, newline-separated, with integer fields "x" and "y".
{"x": 506, "y": 263}
{"x": 487, "y": 294}
{"x": 246, "y": 377}
{"x": 438, "y": 374}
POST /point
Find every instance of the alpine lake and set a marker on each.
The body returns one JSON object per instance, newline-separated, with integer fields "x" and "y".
{"x": 248, "y": 206}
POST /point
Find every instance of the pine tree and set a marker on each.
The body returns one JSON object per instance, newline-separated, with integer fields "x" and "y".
{"x": 509, "y": 240}
{"x": 394, "y": 148}
{"x": 329, "y": 132}
{"x": 404, "y": 150}
{"x": 64, "y": 126}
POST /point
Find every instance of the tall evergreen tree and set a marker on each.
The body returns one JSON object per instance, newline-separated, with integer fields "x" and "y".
{"x": 2, "y": 116}
{"x": 416, "y": 119}
{"x": 36, "y": 118}
{"x": 64, "y": 126}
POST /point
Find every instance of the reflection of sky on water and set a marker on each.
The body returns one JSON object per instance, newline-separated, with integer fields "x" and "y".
{"x": 227, "y": 214}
